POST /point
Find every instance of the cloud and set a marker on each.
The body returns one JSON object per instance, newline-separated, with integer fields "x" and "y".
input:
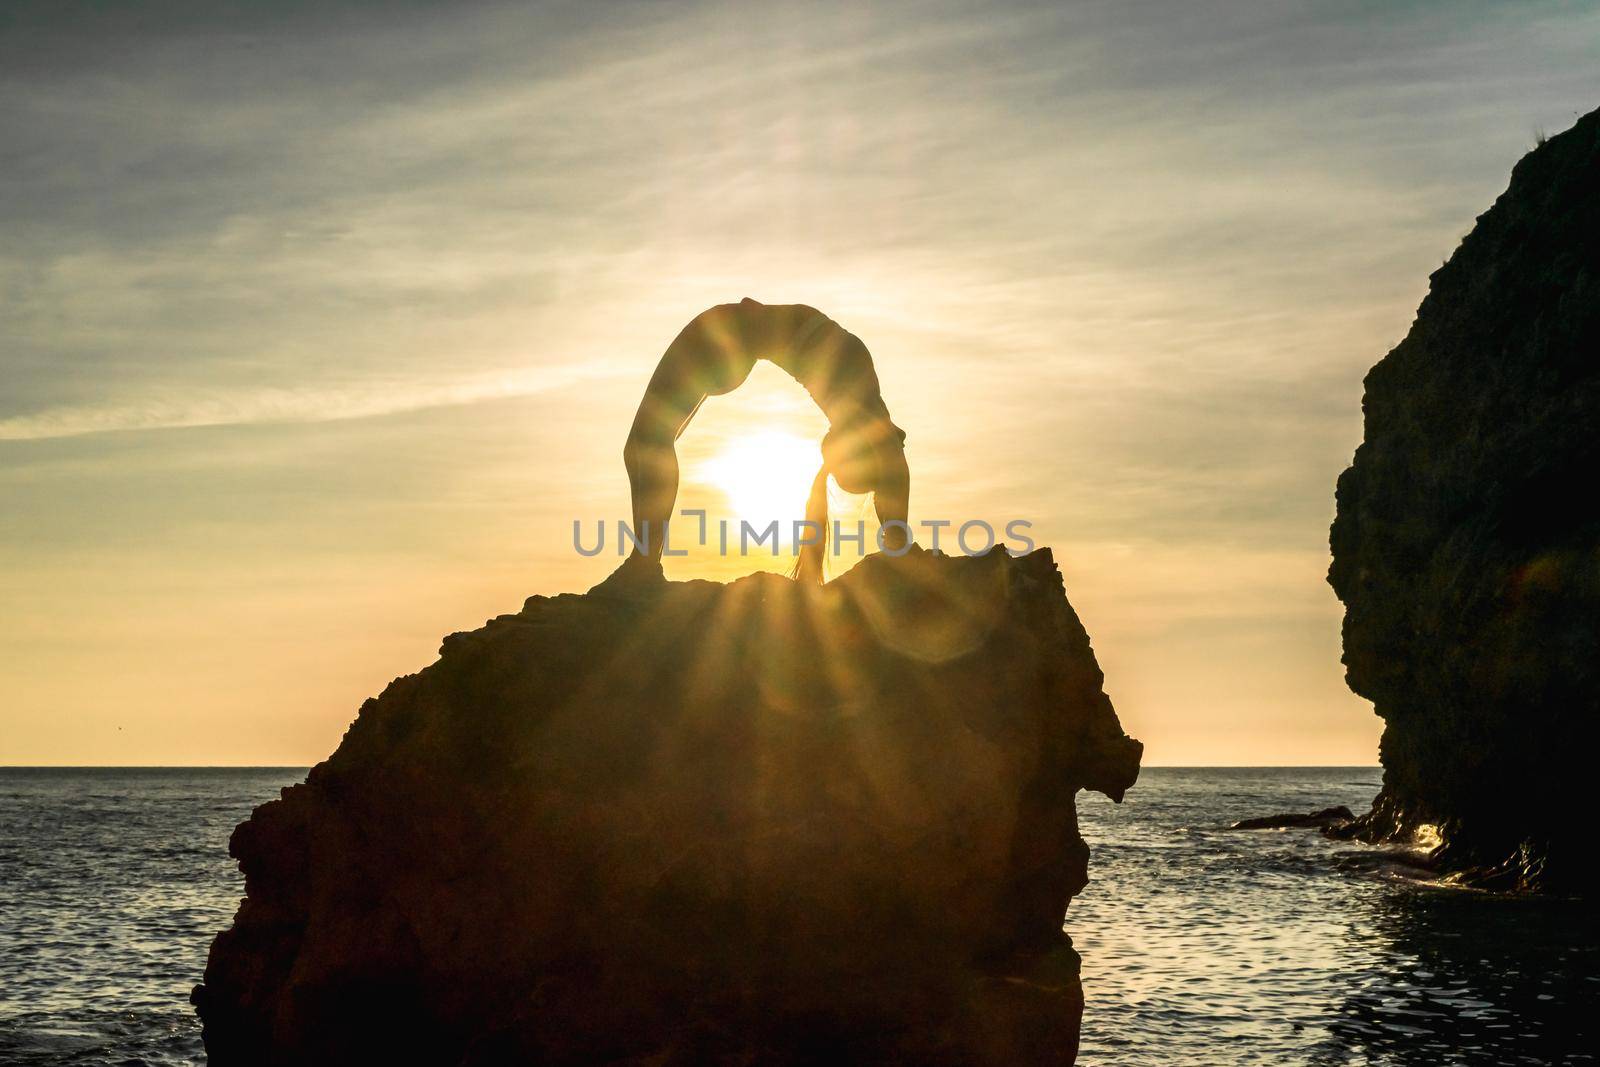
{"x": 218, "y": 201}
{"x": 285, "y": 405}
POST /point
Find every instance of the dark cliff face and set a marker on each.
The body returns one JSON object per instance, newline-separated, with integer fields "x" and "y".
{"x": 1467, "y": 543}
{"x": 760, "y": 822}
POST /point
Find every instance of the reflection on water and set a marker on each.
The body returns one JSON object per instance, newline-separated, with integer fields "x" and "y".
{"x": 112, "y": 884}
{"x": 1473, "y": 979}
{"x": 1208, "y": 946}
{"x": 1201, "y": 946}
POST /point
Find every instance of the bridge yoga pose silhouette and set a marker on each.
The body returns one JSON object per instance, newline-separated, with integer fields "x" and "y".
{"x": 713, "y": 355}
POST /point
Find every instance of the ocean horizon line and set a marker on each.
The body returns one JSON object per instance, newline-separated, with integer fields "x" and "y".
{"x": 308, "y": 766}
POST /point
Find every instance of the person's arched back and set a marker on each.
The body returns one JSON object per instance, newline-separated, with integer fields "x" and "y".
{"x": 863, "y": 449}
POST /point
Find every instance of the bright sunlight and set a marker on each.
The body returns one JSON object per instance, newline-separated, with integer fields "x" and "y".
{"x": 765, "y": 475}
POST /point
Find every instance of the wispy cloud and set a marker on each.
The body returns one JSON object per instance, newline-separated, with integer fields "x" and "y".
{"x": 285, "y": 405}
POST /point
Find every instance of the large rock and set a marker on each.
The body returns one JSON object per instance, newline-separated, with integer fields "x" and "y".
{"x": 1467, "y": 543}
{"x": 758, "y": 822}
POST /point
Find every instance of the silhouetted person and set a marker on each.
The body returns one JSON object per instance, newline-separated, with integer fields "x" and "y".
{"x": 714, "y": 354}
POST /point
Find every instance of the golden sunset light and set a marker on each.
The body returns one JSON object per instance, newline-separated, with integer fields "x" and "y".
{"x": 1193, "y": 397}
{"x": 765, "y": 475}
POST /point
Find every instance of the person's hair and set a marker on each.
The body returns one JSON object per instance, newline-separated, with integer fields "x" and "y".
{"x": 808, "y": 565}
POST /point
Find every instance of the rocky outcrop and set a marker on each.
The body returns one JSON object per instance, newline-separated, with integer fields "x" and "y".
{"x": 1325, "y": 818}
{"x": 756, "y": 822}
{"x": 1467, "y": 543}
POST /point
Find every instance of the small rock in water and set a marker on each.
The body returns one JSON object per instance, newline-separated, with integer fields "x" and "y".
{"x": 1326, "y": 817}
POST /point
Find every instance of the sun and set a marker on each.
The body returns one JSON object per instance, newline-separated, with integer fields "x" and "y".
{"x": 765, "y": 475}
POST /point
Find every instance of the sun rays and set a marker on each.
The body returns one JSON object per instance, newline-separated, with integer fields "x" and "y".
{"x": 750, "y": 457}
{"x": 765, "y": 474}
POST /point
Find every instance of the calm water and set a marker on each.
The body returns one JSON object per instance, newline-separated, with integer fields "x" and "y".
{"x": 1200, "y": 946}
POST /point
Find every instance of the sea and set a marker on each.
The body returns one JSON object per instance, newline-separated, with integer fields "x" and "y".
{"x": 1200, "y": 945}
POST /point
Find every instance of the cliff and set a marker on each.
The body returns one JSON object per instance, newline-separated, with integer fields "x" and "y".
{"x": 756, "y": 822}
{"x": 1466, "y": 546}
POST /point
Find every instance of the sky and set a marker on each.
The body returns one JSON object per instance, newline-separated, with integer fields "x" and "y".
{"x": 320, "y": 324}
